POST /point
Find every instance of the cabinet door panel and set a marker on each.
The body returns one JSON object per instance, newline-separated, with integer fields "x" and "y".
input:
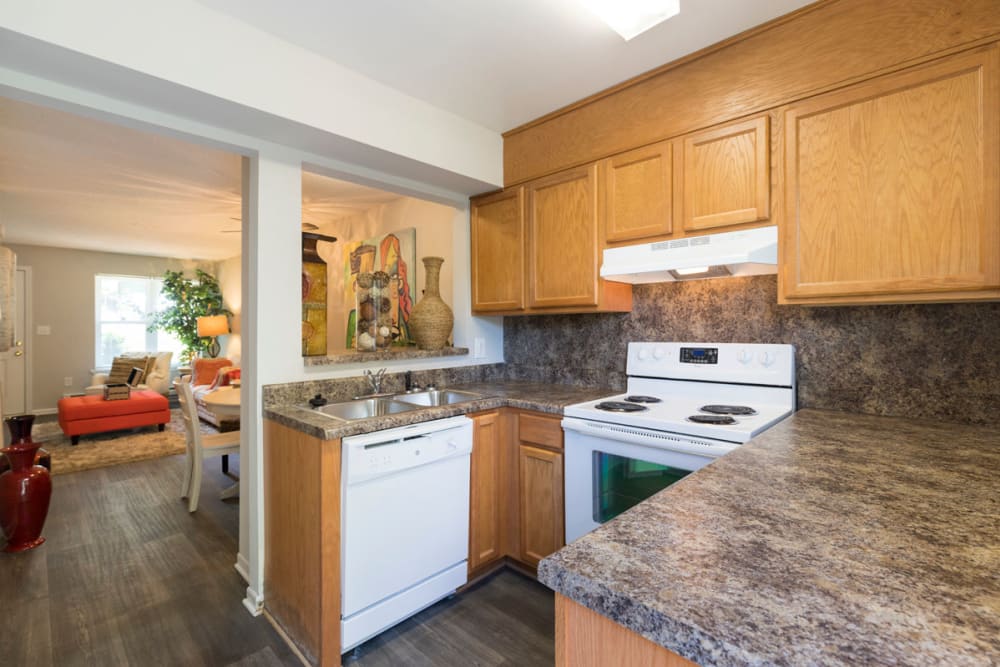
{"x": 485, "y": 492}
{"x": 562, "y": 239}
{"x": 498, "y": 251}
{"x": 726, "y": 175}
{"x": 541, "y": 500}
{"x": 538, "y": 429}
{"x": 892, "y": 184}
{"x": 639, "y": 193}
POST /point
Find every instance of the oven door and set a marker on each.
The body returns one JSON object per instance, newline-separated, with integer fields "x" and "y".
{"x": 610, "y": 468}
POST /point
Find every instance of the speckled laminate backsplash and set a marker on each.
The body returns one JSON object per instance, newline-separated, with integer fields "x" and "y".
{"x": 929, "y": 361}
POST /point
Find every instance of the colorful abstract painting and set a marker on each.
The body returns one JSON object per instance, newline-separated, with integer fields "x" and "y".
{"x": 395, "y": 254}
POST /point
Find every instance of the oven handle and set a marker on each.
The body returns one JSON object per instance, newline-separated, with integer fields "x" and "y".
{"x": 649, "y": 437}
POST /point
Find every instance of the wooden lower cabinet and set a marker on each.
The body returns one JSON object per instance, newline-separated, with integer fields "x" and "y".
{"x": 541, "y": 503}
{"x": 486, "y": 494}
{"x": 516, "y": 489}
{"x": 516, "y": 513}
{"x": 584, "y": 638}
{"x": 302, "y": 540}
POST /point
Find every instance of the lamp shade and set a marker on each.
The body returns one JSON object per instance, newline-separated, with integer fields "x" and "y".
{"x": 213, "y": 325}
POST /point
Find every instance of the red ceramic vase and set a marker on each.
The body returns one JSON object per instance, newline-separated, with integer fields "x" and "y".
{"x": 25, "y": 491}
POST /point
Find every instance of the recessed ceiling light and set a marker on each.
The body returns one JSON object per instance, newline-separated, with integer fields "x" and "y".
{"x": 632, "y": 17}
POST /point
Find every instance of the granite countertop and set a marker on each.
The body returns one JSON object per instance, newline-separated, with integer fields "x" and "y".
{"x": 541, "y": 397}
{"x": 831, "y": 539}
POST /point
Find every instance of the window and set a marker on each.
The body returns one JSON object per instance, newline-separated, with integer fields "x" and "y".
{"x": 124, "y": 307}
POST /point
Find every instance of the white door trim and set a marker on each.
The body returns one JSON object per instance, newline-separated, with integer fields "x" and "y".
{"x": 29, "y": 335}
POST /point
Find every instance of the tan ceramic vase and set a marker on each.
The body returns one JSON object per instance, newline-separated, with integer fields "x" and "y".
{"x": 431, "y": 319}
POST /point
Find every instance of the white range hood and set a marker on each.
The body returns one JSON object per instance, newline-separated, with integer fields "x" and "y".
{"x": 745, "y": 253}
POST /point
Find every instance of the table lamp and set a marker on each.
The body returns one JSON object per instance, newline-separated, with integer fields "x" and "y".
{"x": 211, "y": 326}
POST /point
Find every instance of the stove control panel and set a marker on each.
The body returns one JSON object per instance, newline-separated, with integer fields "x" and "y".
{"x": 736, "y": 363}
{"x": 699, "y": 355}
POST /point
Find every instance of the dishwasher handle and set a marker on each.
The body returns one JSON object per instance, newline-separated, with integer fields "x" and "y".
{"x": 390, "y": 443}
{"x": 378, "y": 458}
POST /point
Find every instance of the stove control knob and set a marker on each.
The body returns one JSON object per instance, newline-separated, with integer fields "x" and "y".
{"x": 744, "y": 356}
{"x": 767, "y": 358}
{"x": 659, "y": 353}
{"x": 642, "y": 354}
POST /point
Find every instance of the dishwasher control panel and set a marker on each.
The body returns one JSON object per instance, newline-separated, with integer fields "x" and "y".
{"x": 382, "y": 453}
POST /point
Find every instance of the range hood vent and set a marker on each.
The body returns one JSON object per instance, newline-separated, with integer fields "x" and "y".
{"x": 746, "y": 253}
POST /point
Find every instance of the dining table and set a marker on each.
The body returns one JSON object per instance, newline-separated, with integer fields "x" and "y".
{"x": 224, "y": 402}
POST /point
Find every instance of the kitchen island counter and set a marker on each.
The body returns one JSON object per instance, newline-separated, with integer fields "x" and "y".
{"x": 832, "y": 538}
{"x": 537, "y": 396}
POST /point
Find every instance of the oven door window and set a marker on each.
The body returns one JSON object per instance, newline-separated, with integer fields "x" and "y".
{"x": 620, "y": 483}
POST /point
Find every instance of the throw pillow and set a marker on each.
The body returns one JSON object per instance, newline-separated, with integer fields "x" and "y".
{"x": 205, "y": 370}
{"x": 122, "y": 366}
{"x": 150, "y": 365}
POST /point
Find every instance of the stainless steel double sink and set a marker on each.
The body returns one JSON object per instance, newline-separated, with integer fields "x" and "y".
{"x": 365, "y": 408}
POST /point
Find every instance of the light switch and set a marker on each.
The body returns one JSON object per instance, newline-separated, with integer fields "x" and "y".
{"x": 479, "y": 350}
{"x": 43, "y": 330}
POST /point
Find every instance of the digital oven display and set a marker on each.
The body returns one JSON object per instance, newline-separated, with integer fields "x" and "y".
{"x": 699, "y": 355}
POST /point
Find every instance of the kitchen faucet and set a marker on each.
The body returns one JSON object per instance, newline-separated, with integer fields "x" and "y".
{"x": 375, "y": 380}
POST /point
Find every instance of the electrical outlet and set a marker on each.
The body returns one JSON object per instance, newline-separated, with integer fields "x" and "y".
{"x": 68, "y": 381}
{"x": 479, "y": 350}
{"x": 43, "y": 330}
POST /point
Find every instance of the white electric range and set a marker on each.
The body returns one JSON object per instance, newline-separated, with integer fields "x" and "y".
{"x": 686, "y": 404}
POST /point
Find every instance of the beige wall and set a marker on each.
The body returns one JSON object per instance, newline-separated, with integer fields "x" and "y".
{"x": 229, "y": 273}
{"x": 62, "y": 298}
{"x": 434, "y": 232}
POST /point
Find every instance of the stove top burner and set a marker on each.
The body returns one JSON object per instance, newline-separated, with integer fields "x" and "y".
{"x": 619, "y": 406}
{"x": 715, "y": 420}
{"x": 741, "y": 410}
{"x": 643, "y": 399}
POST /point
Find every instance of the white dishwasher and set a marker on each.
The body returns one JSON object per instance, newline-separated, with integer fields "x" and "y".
{"x": 404, "y": 523}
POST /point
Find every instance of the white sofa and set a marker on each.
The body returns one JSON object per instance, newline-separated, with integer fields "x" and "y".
{"x": 157, "y": 380}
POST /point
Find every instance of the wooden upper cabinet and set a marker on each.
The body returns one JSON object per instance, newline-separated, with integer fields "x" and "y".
{"x": 498, "y": 243}
{"x": 727, "y": 175}
{"x": 892, "y": 187}
{"x": 563, "y": 250}
{"x": 638, "y": 188}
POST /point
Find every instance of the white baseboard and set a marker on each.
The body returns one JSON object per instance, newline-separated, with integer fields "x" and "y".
{"x": 243, "y": 567}
{"x": 254, "y": 602}
{"x": 45, "y": 411}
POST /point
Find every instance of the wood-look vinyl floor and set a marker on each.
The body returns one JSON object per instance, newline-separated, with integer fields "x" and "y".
{"x": 128, "y": 577}
{"x": 506, "y": 620}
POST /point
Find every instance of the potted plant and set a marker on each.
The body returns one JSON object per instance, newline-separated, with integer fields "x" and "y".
{"x": 190, "y": 298}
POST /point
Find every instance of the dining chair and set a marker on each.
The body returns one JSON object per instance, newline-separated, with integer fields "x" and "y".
{"x": 200, "y": 446}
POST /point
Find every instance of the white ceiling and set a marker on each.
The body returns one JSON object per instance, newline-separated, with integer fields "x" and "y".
{"x": 499, "y": 64}
{"x": 326, "y": 200}
{"x": 73, "y": 182}
{"x": 76, "y": 182}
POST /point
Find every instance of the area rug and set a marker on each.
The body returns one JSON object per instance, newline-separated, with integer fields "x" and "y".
{"x": 114, "y": 447}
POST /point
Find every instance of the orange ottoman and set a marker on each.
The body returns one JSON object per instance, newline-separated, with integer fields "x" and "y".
{"x": 82, "y": 415}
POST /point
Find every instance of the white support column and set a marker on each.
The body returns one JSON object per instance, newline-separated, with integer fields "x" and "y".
{"x": 272, "y": 256}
